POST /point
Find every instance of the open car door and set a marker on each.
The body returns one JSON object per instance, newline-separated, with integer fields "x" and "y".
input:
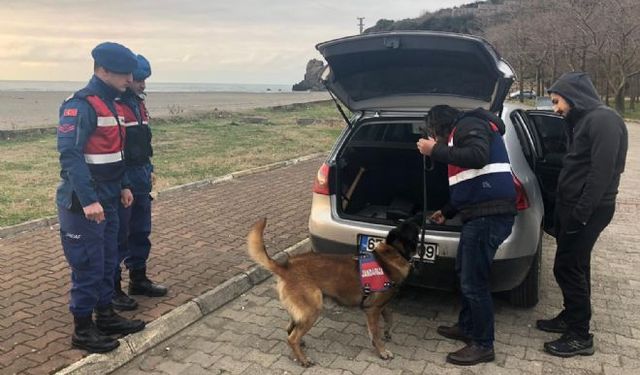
{"x": 548, "y": 133}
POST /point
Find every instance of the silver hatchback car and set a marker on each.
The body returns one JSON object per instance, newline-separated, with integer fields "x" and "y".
{"x": 375, "y": 177}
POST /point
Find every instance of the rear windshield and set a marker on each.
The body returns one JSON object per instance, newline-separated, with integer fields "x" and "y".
{"x": 397, "y": 132}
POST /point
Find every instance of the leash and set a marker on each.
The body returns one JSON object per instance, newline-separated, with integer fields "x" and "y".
{"x": 427, "y": 166}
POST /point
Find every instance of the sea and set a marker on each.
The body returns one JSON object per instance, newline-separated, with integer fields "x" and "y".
{"x": 70, "y": 86}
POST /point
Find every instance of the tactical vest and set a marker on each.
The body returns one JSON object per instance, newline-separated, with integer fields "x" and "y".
{"x": 103, "y": 151}
{"x": 138, "y": 147}
{"x": 130, "y": 118}
{"x": 492, "y": 182}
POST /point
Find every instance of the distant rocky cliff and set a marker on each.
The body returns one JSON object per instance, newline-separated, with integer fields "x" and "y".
{"x": 311, "y": 79}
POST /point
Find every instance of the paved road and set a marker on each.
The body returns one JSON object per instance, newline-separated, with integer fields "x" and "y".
{"x": 199, "y": 244}
{"x": 247, "y": 335}
{"x": 198, "y": 239}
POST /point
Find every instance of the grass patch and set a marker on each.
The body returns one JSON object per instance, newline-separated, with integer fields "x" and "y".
{"x": 186, "y": 149}
{"x": 632, "y": 114}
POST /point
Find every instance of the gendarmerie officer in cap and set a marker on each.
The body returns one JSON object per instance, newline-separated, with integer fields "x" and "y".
{"x": 91, "y": 145}
{"x": 135, "y": 221}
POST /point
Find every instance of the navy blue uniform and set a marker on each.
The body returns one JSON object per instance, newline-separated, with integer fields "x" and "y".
{"x": 90, "y": 143}
{"x": 133, "y": 239}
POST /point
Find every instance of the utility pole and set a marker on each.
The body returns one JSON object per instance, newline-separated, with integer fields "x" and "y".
{"x": 361, "y": 23}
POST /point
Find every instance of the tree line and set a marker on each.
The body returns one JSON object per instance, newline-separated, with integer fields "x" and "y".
{"x": 542, "y": 39}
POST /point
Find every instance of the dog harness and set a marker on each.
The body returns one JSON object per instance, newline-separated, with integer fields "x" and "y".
{"x": 372, "y": 276}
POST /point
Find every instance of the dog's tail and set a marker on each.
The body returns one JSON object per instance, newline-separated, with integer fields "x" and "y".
{"x": 257, "y": 251}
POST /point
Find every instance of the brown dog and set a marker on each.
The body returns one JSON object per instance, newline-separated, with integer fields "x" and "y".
{"x": 305, "y": 278}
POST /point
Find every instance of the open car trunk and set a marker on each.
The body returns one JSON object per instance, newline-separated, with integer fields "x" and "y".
{"x": 380, "y": 173}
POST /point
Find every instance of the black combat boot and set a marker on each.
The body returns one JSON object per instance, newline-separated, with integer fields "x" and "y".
{"x": 121, "y": 301}
{"x": 111, "y": 323}
{"x": 86, "y": 336}
{"x": 139, "y": 284}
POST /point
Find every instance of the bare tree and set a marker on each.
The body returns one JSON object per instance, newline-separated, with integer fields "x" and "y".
{"x": 608, "y": 31}
{"x": 545, "y": 38}
{"x": 516, "y": 40}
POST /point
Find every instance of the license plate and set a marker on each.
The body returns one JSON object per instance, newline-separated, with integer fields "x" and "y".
{"x": 430, "y": 252}
{"x": 368, "y": 243}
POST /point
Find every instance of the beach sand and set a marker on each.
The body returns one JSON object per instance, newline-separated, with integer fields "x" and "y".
{"x": 32, "y": 109}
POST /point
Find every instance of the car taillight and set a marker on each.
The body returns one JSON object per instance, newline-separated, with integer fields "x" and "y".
{"x": 522, "y": 200}
{"x": 321, "y": 183}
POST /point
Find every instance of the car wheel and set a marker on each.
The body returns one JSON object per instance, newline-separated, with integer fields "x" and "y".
{"x": 526, "y": 294}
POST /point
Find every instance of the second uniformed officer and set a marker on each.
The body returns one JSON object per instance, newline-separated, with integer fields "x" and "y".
{"x": 90, "y": 143}
{"x": 135, "y": 221}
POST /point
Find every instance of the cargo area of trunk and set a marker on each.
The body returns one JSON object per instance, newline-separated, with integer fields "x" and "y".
{"x": 380, "y": 174}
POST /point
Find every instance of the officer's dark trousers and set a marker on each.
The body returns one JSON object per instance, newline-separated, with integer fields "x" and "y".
{"x": 572, "y": 266}
{"x": 479, "y": 240}
{"x": 91, "y": 251}
{"x": 135, "y": 228}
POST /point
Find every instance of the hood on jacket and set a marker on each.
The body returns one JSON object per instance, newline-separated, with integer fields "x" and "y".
{"x": 578, "y": 90}
{"x": 487, "y": 116}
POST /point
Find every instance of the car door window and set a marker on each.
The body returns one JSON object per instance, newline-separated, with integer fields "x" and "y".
{"x": 551, "y": 133}
{"x": 526, "y": 140}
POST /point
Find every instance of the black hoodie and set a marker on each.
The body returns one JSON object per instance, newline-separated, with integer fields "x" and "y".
{"x": 597, "y": 150}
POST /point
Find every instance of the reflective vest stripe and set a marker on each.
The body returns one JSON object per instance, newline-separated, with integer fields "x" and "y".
{"x": 103, "y": 158}
{"x": 108, "y": 121}
{"x": 132, "y": 123}
{"x": 468, "y": 174}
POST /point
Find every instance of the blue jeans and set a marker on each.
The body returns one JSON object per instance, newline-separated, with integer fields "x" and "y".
{"x": 479, "y": 241}
{"x": 133, "y": 238}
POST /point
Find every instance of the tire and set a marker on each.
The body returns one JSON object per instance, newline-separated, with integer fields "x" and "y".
{"x": 527, "y": 293}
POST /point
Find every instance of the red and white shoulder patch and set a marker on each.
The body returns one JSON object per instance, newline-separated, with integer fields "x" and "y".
{"x": 70, "y": 112}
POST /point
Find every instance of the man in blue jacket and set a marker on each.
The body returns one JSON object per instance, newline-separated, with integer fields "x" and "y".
{"x": 91, "y": 144}
{"x": 135, "y": 220}
{"x": 586, "y": 199}
{"x": 483, "y": 194}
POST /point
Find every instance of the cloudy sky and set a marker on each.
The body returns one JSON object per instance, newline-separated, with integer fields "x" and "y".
{"x": 220, "y": 41}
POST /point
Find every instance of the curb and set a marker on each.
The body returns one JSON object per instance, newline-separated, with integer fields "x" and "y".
{"x": 53, "y": 220}
{"x": 176, "y": 320}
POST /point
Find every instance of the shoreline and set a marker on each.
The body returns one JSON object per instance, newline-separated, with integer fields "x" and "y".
{"x": 23, "y": 110}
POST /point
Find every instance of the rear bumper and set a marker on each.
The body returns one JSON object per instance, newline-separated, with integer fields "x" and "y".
{"x": 506, "y": 274}
{"x": 333, "y": 234}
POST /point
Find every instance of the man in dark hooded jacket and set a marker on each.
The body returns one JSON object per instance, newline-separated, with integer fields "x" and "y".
{"x": 482, "y": 192}
{"x": 586, "y": 197}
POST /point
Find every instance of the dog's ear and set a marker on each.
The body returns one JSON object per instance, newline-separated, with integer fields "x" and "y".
{"x": 392, "y": 236}
{"x": 405, "y": 233}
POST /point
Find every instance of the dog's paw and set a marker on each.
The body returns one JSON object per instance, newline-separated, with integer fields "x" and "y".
{"x": 306, "y": 362}
{"x": 386, "y": 355}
